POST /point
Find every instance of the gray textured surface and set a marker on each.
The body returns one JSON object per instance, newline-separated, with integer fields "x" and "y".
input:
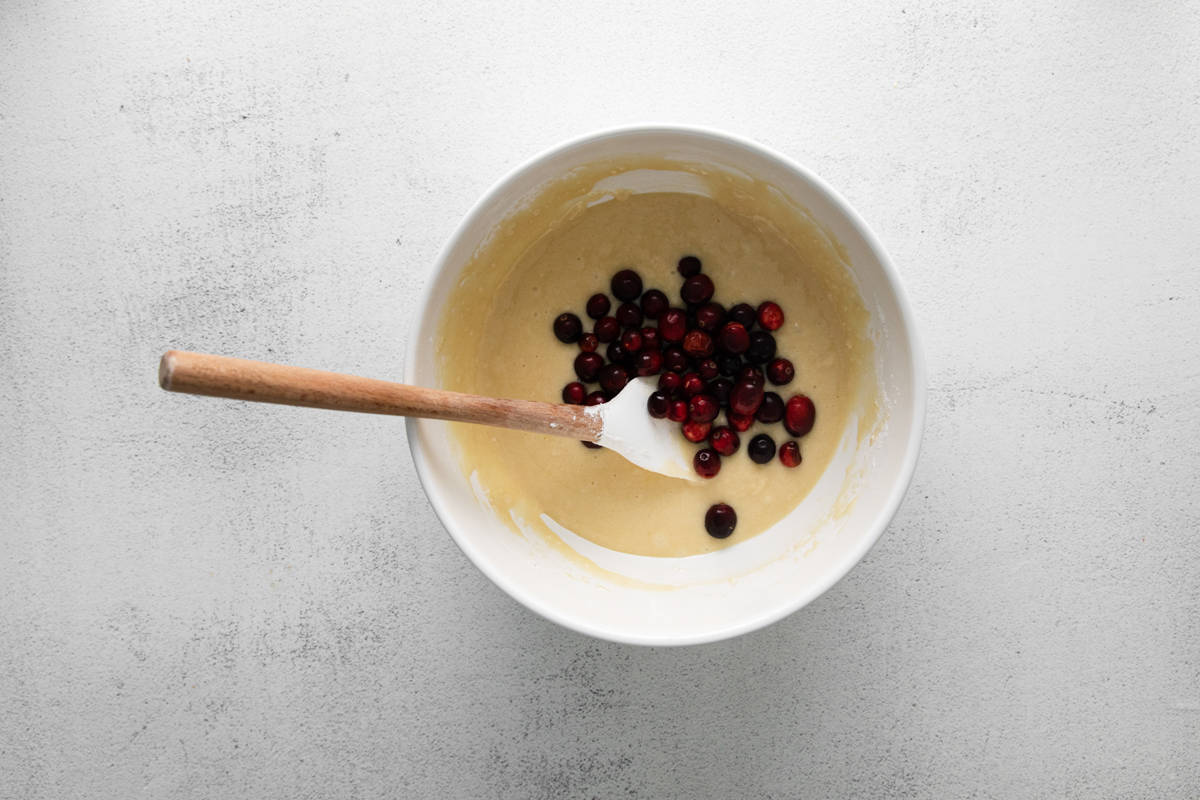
{"x": 205, "y": 599}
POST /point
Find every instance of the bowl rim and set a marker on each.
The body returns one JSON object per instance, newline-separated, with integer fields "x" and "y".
{"x": 809, "y": 593}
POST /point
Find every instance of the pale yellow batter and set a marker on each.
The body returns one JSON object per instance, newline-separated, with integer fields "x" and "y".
{"x": 496, "y": 339}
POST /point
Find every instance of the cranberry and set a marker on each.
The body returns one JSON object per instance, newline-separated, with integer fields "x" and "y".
{"x": 781, "y": 371}
{"x": 626, "y": 285}
{"x": 720, "y": 520}
{"x": 573, "y": 393}
{"x": 678, "y": 411}
{"x": 743, "y": 314}
{"x": 588, "y": 343}
{"x": 631, "y": 341}
{"x": 689, "y": 266}
{"x": 761, "y": 449}
{"x": 751, "y": 374}
{"x": 598, "y": 305}
{"x": 629, "y": 315}
{"x": 695, "y": 431}
{"x": 654, "y": 303}
{"x": 771, "y": 410}
{"x": 707, "y": 462}
{"x": 799, "y": 415}
{"x": 707, "y": 369}
{"x": 613, "y": 378}
{"x": 745, "y": 398}
{"x": 587, "y": 366}
{"x": 567, "y": 327}
{"x": 710, "y": 316}
{"x": 692, "y": 384}
{"x": 720, "y": 390}
{"x": 596, "y": 398}
{"x": 616, "y": 352}
{"x": 762, "y": 348}
{"x": 697, "y": 289}
{"x": 670, "y": 382}
{"x": 789, "y": 453}
{"x": 724, "y": 440}
{"x": 739, "y": 422}
{"x": 728, "y": 365}
{"x": 606, "y": 329}
{"x": 770, "y": 316}
{"x": 651, "y": 339}
{"x": 658, "y": 404}
{"x": 673, "y": 324}
{"x": 698, "y": 344}
{"x": 649, "y": 362}
{"x": 675, "y": 359}
{"x": 734, "y": 338}
{"x": 703, "y": 408}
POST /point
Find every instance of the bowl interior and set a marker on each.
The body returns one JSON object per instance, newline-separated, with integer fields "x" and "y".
{"x": 701, "y": 598}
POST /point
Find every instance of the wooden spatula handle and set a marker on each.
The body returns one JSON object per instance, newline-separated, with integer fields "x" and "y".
{"x": 240, "y": 379}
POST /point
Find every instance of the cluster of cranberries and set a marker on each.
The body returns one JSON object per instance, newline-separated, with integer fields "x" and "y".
{"x": 709, "y": 360}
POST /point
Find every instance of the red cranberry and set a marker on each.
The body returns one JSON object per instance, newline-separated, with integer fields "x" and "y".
{"x": 678, "y": 411}
{"x": 739, "y": 422}
{"x": 596, "y": 398}
{"x": 697, "y": 289}
{"x": 752, "y": 375}
{"x": 631, "y": 341}
{"x": 728, "y": 365}
{"x": 613, "y": 378}
{"x": 689, "y": 266}
{"x": 799, "y": 415}
{"x": 698, "y": 344}
{"x": 703, "y": 408}
{"x": 670, "y": 382}
{"x": 762, "y": 348}
{"x": 675, "y": 359}
{"x": 743, "y": 314}
{"x": 598, "y": 305}
{"x": 616, "y": 353}
{"x": 588, "y": 343}
{"x": 761, "y": 449}
{"x": 710, "y": 316}
{"x": 692, "y": 384}
{"x": 573, "y": 393}
{"x": 707, "y": 463}
{"x": 720, "y": 520}
{"x": 720, "y": 389}
{"x": 745, "y": 398}
{"x": 781, "y": 371}
{"x": 629, "y": 315}
{"x": 770, "y": 316}
{"x": 771, "y": 410}
{"x": 649, "y": 362}
{"x": 654, "y": 303}
{"x": 606, "y": 329}
{"x": 567, "y": 328}
{"x": 724, "y": 440}
{"x": 789, "y": 453}
{"x": 658, "y": 404}
{"x": 626, "y": 285}
{"x": 707, "y": 369}
{"x": 587, "y": 366}
{"x": 651, "y": 339}
{"x": 672, "y": 324}
{"x": 734, "y": 338}
{"x": 695, "y": 431}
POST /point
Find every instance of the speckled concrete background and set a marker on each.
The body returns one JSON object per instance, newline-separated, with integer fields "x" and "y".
{"x": 209, "y": 599}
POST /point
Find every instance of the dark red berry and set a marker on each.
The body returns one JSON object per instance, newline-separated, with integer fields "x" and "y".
{"x": 595, "y": 399}
{"x": 771, "y": 410}
{"x": 670, "y": 382}
{"x": 720, "y": 520}
{"x": 781, "y": 371}
{"x": 799, "y": 415}
{"x": 689, "y": 266}
{"x": 697, "y": 289}
{"x": 692, "y": 384}
{"x": 649, "y": 362}
{"x": 744, "y": 314}
{"x": 770, "y": 316}
{"x": 626, "y": 285}
{"x": 678, "y": 411}
{"x": 703, "y": 408}
{"x": 739, "y": 422}
{"x": 789, "y": 453}
{"x": 658, "y": 404}
{"x": 761, "y": 449}
{"x": 751, "y": 374}
{"x": 745, "y": 398}
{"x": 573, "y": 393}
{"x": 631, "y": 341}
{"x": 720, "y": 390}
{"x": 695, "y": 431}
{"x": 707, "y": 369}
{"x": 588, "y": 343}
{"x": 613, "y": 378}
{"x": 734, "y": 338}
{"x": 651, "y": 339}
{"x": 707, "y": 462}
{"x": 675, "y": 359}
{"x": 654, "y": 303}
{"x": 598, "y": 305}
{"x": 568, "y": 328}
{"x": 606, "y": 329}
{"x": 587, "y": 366}
{"x": 698, "y": 344}
{"x": 616, "y": 352}
{"x": 724, "y": 440}
{"x": 629, "y": 315}
{"x": 673, "y": 324}
{"x": 728, "y": 365}
{"x": 710, "y": 316}
{"x": 762, "y": 348}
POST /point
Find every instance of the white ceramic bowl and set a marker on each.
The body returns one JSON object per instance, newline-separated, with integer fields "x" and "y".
{"x": 752, "y": 584}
